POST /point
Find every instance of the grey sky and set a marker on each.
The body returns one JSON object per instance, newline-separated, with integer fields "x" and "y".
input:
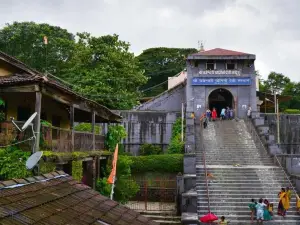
{"x": 268, "y": 28}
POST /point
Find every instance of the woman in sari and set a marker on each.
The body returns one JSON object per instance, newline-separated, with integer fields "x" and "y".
{"x": 284, "y": 202}
{"x": 267, "y": 215}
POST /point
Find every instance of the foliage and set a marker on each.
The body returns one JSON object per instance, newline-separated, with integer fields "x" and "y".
{"x": 102, "y": 64}
{"x": 161, "y": 63}
{"x": 276, "y": 81}
{"x": 2, "y": 113}
{"x": 149, "y": 149}
{"x": 46, "y": 123}
{"x": 12, "y": 163}
{"x": 77, "y": 170}
{"x": 292, "y": 111}
{"x": 125, "y": 186}
{"x": 47, "y": 167}
{"x": 103, "y": 187}
{"x": 157, "y": 163}
{"x": 2, "y": 116}
{"x": 114, "y": 136}
{"x": 24, "y": 40}
{"x": 105, "y": 65}
{"x": 63, "y": 156}
{"x": 176, "y": 145}
{"x": 176, "y": 128}
{"x": 87, "y": 127}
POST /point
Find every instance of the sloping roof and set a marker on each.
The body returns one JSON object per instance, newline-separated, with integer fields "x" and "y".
{"x": 31, "y": 76}
{"x": 57, "y": 199}
{"x": 220, "y": 51}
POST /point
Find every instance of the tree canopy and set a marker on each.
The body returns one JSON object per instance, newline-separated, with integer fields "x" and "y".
{"x": 100, "y": 68}
{"x": 161, "y": 63}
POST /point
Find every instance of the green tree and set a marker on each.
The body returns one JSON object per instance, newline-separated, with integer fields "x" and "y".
{"x": 24, "y": 40}
{"x": 276, "y": 81}
{"x": 291, "y": 89}
{"x": 161, "y": 63}
{"x": 105, "y": 71}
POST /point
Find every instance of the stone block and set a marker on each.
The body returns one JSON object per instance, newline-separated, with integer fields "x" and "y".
{"x": 263, "y": 130}
{"x": 189, "y": 164}
{"x": 274, "y": 149}
{"x": 259, "y": 121}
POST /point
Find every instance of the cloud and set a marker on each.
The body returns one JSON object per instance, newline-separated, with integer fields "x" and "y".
{"x": 270, "y": 28}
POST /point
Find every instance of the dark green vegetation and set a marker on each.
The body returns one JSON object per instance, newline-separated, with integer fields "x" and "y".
{"x": 284, "y": 86}
{"x": 161, "y": 63}
{"x": 102, "y": 68}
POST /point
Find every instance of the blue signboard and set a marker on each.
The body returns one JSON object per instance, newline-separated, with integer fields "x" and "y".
{"x": 221, "y": 81}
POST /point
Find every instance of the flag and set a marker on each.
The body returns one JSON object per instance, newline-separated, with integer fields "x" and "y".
{"x": 112, "y": 175}
{"x": 45, "y": 40}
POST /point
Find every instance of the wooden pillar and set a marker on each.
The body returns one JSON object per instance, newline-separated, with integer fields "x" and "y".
{"x": 37, "y": 129}
{"x": 94, "y": 172}
{"x": 72, "y": 125}
{"x": 93, "y": 129}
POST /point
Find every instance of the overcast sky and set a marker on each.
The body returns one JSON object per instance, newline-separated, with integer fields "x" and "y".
{"x": 268, "y": 28}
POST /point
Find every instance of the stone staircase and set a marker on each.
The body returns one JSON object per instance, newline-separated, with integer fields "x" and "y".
{"x": 226, "y": 144}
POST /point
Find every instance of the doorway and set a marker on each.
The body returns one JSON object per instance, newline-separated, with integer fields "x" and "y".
{"x": 220, "y": 98}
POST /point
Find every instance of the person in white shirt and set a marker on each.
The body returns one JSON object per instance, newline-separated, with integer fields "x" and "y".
{"x": 260, "y": 211}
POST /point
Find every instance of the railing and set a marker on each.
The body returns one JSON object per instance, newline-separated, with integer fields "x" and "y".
{"x": 52, "y": 138}
{"x": 204, "y": 161}
{"x": 154, "y": 195}
{"x": 263, "y": 147}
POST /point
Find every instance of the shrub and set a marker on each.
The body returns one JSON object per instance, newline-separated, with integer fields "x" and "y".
{"x": 176, "y": 146}
{"x": 77, "y": 170}
{"x": 114, "y": 136}
{"x": 157, "y": 163}
{"x": 149, "y": 149}
{"x": 87, "y": 127}
{"x": 12, "y": 163}
{"x": 292, "y": 111}
{"x": 126, "y": 188}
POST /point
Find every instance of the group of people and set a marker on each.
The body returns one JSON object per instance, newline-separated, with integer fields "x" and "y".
{"x": 264, "y": 209}
{"x": 226, "y": 113}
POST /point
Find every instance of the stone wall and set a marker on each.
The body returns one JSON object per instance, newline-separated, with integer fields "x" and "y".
{"x": 152, "y": 127}
{"x": 170, "y": 100}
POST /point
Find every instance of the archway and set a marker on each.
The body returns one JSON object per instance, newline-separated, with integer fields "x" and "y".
{"x": 220, "y": 98}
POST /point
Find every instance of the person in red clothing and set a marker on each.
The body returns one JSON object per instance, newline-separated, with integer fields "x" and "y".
{"x": 214, "y": 114}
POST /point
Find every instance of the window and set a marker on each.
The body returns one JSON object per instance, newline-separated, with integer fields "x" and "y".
{"x": 196, "y": 63}
{"x": 210, "y": 65}
{"x": 230, "y": 66}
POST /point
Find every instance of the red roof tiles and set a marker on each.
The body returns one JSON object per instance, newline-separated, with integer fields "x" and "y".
{"x": 220, "y": 52}
{"x": 61, "y": 201}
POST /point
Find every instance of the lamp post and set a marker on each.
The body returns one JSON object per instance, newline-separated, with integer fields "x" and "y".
{"x": 277, "y": 116}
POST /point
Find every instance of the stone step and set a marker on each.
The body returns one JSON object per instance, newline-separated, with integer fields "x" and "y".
{"x": 247, "y": 217}
{"x": 236, "y": 204}
{"x": 238, "y": 208}
{"x": 245, "y": 181}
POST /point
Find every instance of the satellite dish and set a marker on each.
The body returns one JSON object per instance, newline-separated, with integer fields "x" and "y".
{"x": 29, "y": 121}
{"x": 33, "y": 160}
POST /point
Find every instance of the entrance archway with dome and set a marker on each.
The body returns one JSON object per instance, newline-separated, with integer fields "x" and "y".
{"x": 220, "y": 98}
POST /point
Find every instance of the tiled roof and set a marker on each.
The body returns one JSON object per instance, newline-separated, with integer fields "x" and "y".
{"x": 18, "y": 79}
{"x": 57, "y": 199}
{"x": 220, "y": 52}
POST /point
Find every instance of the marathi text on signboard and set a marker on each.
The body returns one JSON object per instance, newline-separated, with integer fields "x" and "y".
{"x": 221, "y": 81}
{"x": 220, "y": 72}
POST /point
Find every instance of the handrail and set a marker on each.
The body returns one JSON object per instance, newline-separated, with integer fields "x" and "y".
{"x": 264, "y": 148}
{"x": 204, "y": 162}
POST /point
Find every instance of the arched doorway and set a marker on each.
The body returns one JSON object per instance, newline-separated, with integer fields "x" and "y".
{"x": 220, "y": 98}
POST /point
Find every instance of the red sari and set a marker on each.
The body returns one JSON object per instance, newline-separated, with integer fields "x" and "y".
{"x": 214, "y": 114}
